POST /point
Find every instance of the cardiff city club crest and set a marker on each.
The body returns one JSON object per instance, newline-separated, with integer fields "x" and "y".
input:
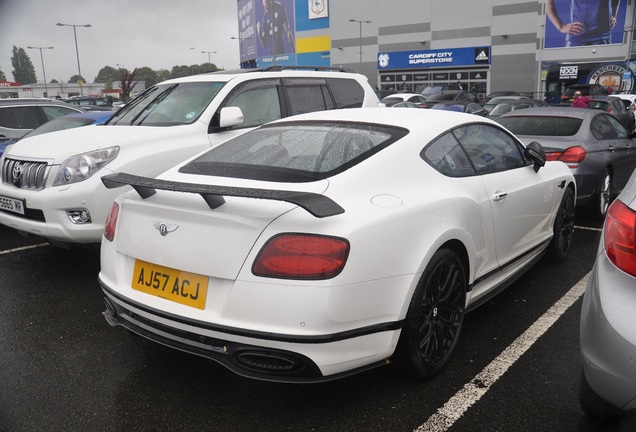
{"x": 318, "y": 9}
{"x": 383, "y": 60}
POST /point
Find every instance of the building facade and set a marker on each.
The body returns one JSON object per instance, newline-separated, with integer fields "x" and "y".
{"x": 405, "y": 45}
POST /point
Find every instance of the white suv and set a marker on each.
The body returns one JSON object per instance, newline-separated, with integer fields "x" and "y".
{"x": 51, "y": 184}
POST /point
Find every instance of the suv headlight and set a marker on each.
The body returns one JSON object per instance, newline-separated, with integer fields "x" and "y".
{"x": 80, "y": 167}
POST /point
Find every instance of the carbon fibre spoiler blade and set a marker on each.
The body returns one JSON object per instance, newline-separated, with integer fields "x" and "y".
{"x": 318, "y": 205}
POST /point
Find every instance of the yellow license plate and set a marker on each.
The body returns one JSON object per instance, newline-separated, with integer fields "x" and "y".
{"x": 189, "y": 289}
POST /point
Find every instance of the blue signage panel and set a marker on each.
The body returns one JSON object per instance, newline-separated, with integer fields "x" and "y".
{"x": 434, "y": 58}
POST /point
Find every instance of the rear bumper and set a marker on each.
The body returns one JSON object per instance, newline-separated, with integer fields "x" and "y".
{"x": 608, "y": 335}
{"x": 259, "y": 355}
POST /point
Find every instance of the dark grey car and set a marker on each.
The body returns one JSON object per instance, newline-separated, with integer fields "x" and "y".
{"x": 595, "y": 145}
{"x": 19, "y": 116}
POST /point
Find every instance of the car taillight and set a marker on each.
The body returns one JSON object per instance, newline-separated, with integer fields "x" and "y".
{"x": 301, "y": 256}
{"x": 111, "y": 222}
{"x": 572, "y": 156}
{"x": 619, "y": 237}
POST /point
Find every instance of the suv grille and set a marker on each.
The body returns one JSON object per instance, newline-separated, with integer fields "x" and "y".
{"x": 24, "y": 174}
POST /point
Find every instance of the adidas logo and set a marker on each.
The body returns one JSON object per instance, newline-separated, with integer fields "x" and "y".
{"x": 482, "y": 56}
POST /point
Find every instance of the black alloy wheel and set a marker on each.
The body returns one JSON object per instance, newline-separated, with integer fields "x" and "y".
{"x": 563, "y": 228}
{"x": 434, "y": 319}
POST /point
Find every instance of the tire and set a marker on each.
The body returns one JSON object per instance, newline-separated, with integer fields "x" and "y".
{"x": 563, "y": 228}
{"x": 434, "y": 318}
{"x": 603, "y": 197}
{"x": 594, "y": 405}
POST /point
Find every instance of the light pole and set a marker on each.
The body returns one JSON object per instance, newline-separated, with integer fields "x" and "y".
{"x": 46, "y": 89}
{"x": 79, "y": 71}
{"x": 209, "y": 61}
{"x": 360, "y": 22}
{"x": 240, "y": 39}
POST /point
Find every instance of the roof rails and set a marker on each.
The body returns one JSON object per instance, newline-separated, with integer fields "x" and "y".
{"x": 278, "y": 68}
{"x": 275, "y": 68}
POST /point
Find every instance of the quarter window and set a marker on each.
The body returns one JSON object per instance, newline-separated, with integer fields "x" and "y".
{"x": 603, "y": 129}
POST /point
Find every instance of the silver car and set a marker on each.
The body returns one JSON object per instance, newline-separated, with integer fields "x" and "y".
{"x": 595, "y": 145}
{"x": 608, "y": 331}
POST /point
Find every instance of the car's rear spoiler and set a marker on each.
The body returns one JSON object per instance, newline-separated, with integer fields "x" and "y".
{"x": 318, "y": 205}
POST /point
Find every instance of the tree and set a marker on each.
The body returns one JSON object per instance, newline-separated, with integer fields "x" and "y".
{"x": 75, "y": 79}
{"x": 23, "y": 70}
{"x": 127, "y": 84}
{"x": 2, "y": 76}
{"x": 108, "y": 74}
{"x": 162, "y": 75}
{"x": 147, "y": 75}
{"x": 180, "y": 71}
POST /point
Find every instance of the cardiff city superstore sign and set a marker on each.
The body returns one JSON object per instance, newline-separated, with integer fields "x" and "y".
{"x": 434, "y": 58}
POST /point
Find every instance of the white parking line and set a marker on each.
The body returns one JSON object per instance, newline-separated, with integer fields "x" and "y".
{"x": 456, "y": 406}
{"x": 588, "y": 228}
{"x": 7, "y": 251}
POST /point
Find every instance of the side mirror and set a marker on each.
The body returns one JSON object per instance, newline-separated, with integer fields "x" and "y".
{"x": 230, "y": 116}
{"x": 535, "y": 154}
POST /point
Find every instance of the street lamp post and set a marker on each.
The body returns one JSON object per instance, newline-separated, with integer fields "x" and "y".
{"x": 209, "y": 61}
{"x": 46, "y": 89}
{"x": 240, "y": 39}
{"x": 79, "y": 70}
{"x": 360, "y": 22}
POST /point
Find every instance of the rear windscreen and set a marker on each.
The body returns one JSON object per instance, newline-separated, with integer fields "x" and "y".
{"x": 541, "y": 126}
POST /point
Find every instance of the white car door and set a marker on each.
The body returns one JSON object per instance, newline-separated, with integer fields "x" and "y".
{"x": 520, "y": 198}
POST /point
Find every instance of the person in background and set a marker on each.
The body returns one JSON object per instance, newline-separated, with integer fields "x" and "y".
{"x": 580, "y": 101}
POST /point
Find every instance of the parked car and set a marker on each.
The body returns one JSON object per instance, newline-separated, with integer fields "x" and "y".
{"x": 19, "y": 116}
{"x": 501, "y": 93}
{"x": 276, "y": 249}
{"x": 405, "y": 104}
{"x": 62, "y": 123}
{"x": 391, "y": 100}
{"x": 616, "y": 107}
{"x": 590, "y": 90}
{"x": 512, "y": 105}
{"x": 51, "y": 183}
{"x": 607, "y": 332}
{"x": 501, "y": 99}
{"x": 594, "y": 144}
{"x": 89, "y": 103}
{"x": 449, "y": 96}
{"x": 434, "y": 89}
{"x": 466, "y": 107}
{"x": 629, "y": 100}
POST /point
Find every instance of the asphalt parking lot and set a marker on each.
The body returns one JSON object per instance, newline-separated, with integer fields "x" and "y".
{"x": 62, "y": 368}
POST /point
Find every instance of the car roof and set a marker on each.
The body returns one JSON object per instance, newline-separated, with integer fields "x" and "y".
{"x": 426, "y": 122}
{"x": 401, "y": 95}
{"x": 246, "y": 74}
{"x": 555, "y": 111}
{"x": 34, "y": 101}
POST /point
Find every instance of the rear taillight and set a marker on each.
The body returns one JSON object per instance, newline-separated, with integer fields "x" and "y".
{"x": 111, "y": 222}
{"x": 301, "y": 256}
{"x": 572, "y": 156}
{"x": 618, "y": 236}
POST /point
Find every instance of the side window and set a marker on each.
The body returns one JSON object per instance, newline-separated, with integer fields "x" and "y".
{"x": 347, "y": 92}
{"x": 602, "y": 128}
{"x": 52, "y": 112}
{"x": 19, "y": 118}
{"x": 490, "y": 149}
{"x": 260, "y": 104}
{"x": 446, "y": 155}
{"x": 621, "y": 130}
{"x": 305, "y": 99}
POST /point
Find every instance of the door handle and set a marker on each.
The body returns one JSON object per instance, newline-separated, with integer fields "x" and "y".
{"x": 499, "y": 196}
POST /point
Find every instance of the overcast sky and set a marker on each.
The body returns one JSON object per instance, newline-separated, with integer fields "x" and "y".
{"x": 134, "y": 33}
